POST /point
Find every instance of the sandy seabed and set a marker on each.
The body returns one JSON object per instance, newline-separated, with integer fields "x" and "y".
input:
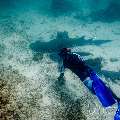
{"x": 29, "y": 89}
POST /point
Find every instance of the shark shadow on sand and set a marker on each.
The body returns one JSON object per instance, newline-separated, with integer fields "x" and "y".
{"x": 96, "y": 64}
{"x": 62, "y": 40}
{"x": 112, "y": 75}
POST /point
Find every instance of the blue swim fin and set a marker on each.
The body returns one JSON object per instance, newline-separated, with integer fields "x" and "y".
{"x": 117, "y": 115}
{"x": 103, "y": 93}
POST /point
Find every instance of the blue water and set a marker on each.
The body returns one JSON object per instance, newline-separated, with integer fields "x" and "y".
{"x": 31, "y": 34}
{"x": 102, "y": 8}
